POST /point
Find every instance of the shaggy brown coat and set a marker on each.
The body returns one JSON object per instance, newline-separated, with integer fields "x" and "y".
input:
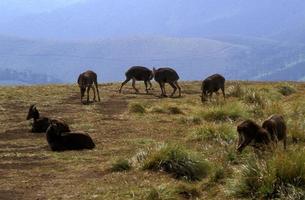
{"x": 40, "y": 124}
{"x": 138, "y": 73}
{"x": 59, "y": 141}
{"x": 277, "y": 128}
{"x": 86, "y": 81}
{"x": 212, "y": 84}
{"x": 167, "y": 75}
{"x": 252, "y": 134}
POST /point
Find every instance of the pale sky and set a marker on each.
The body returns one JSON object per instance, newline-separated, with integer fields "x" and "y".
{"x": 33, "y": 6}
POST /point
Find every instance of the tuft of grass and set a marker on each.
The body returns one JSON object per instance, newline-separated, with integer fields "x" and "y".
{"x": 235, "y": 91}
{"x": 248, "y": 184}
{"x": 297, "y": 130}
{"x": 160, "y": 193}
{"x": 255, "y": 97}
{"x": 286, "y": 90}
{"x": 191, "y": 120}
{"x": 158, "y": 109}
{"x": 296, "y": 122}
{"x": 188, "y": 191}
{"x": 227, "y": 112}
{"x": 121, "y": 165}
{"x": 154, "y": 194}
{"x": 137, "y": 108}
{"x": 218, "y": 175}
{"x": 273, "y": 178}
{"x": 174, "y": 110}
{"x": 215, "y": 132}
{"x": 272, "y": 108}
{"x": 179, "y": 162}
{"x": 231, "y": 156}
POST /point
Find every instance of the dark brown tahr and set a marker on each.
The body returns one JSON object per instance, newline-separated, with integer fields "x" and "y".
{"x": 167, "y": 75}
{"x": 250, "y": 133}
{"x": 277, "y": 128}
{"x": 138, "y": 73}
{"x": 59, "y": 141}
{"x": 86, "y": 81}
{"x": 212, "y": 84}
{"x": 40, "y": 124}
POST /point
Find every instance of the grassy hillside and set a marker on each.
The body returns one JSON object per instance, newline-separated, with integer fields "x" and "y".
{"x": 136, "y": 134}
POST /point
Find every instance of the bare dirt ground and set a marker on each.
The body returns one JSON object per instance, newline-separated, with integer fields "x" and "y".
{"x": 29, "y": 170}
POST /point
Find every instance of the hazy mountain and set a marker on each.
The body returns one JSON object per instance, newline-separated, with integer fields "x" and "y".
{"x": 194, "y": 58}
{"x": 94, "y": 19}
{"x": 10, "y": 76}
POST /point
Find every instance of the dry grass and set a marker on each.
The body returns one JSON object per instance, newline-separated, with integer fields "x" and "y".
{"x": 29, "y": 170}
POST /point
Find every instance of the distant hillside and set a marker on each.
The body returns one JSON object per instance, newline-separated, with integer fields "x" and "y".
{"x": 292, "y": 73}
{"x": 12, "y": 77}
{"x": 193, "y": 58}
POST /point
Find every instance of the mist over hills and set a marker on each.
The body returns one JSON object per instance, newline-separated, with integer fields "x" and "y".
{"x": 95, "y": 19}
{"x": 252, "y": 40}
{"x": 111, "y": 57}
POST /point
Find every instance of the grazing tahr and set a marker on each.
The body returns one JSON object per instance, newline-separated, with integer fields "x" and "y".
{"x": 167, "y": 75}
{"x": 40, "y": 124}
{"x": 86, "y": 81}
{"x": 277, "y": 128}
{"x": 252, "y": 134}
{"x": 60, "y": 141}
{"x": 138, "y": 73}
{"x": 212, "y": 84}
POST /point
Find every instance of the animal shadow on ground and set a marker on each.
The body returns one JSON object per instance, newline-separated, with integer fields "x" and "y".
{"x": 168, "y": 96}
{"x": 137, "y": 93}
{"x": 113, "y": 106}
{"x": 88, "y": 103}
{"x": 18, "y": 133}
{"x": 10, "y": 194}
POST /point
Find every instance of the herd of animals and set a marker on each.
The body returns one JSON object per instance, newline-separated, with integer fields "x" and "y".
{"x": 60, "y": 137}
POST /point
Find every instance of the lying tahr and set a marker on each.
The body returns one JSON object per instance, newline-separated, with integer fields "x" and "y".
{"x": 41, "y": 124}
{"x": 60, "y": 141}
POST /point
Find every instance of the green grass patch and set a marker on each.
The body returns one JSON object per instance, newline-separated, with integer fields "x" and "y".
{"x": 215, "y": 132}
{"x": 230, "y": 111}
{"x": 297, "y": 130}
{"x": 177, "y": 161}
{"x": 235, "y": 90}
{"x": 253, "y": 96}
{"x": 158, "y": 109}
{"x": 231, "y": 156}
{"x": 286, "y": 90}
{"x": 188, "y": 191}
{"x": 161, "y": 193}
{"x": 137, "y": 108}
{"x": 282, "y": 177}
{"x": 167, "y": 109}
{"x": 174, "y": 110}
{"x": 121, "y": 165}
{"x": 218, "y": 174}
{"x": 191, "y": 120}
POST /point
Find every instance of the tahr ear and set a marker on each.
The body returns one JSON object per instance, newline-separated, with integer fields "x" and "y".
{"x": 32, "y": 107}
{"x": 53, "y": 123}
